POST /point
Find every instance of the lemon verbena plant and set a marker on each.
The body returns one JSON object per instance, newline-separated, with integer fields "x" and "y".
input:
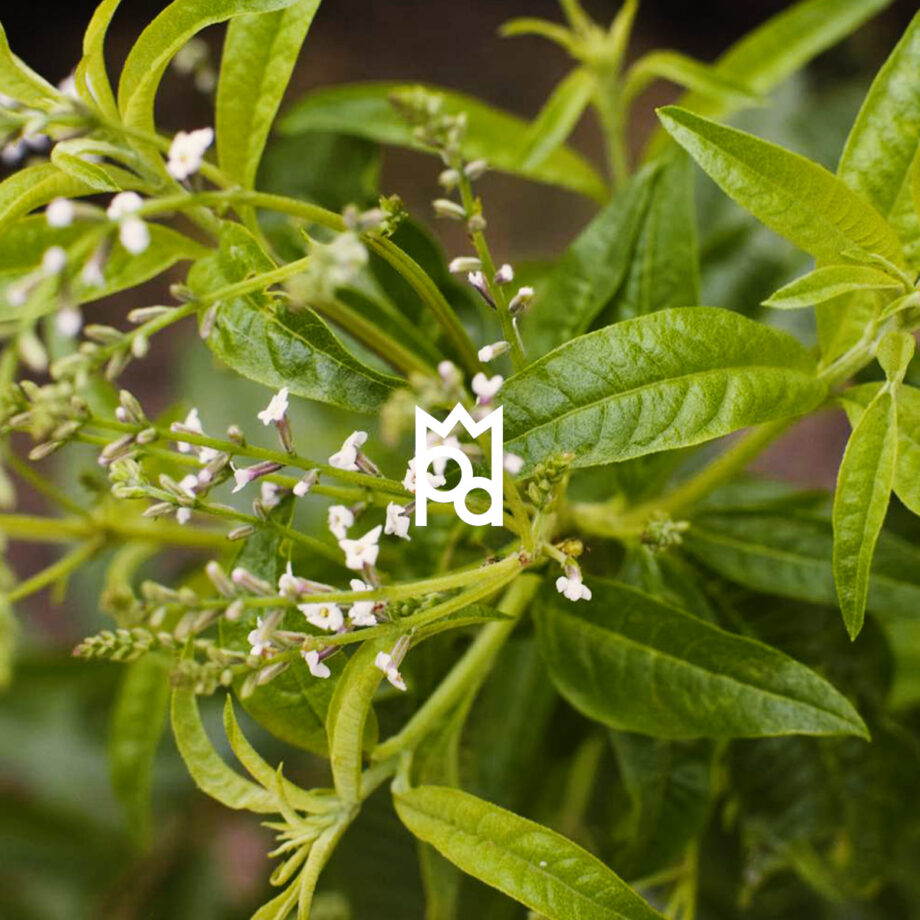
{"x": 638, "y": 696}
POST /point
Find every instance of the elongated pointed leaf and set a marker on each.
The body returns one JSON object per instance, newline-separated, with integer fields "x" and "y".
{"x": 670, "y": 379}
{"x": 591, "y": 269}
{"x": 794, "y": 197}
{"x": 138, "y": 720}
{"x": 864, "y": 486}
{"x": 775, "y": 50}
{"x": 162, "y": 39}
{"x": 207, "y": 769}
{"x": 91, "y": 76}
{"x": 557, "y": 118}
{"x": 21, "y": 83}
{"x": 280, "y": 347}
{"x": 364, "y": 109}
{"x": 907, "y": 469}
{"x": 790, "y": 555}
{"x": 259, "y": 54}
{"x": 637, "y": 664}
{"x": 826, "y": 283}
{"x": 528, "y": 862}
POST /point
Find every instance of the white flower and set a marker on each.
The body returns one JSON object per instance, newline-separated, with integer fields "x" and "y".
{"x": 186, "y": 152}
{"x": 123, "y": 204}
{"x": 276, "y": 409}
{"x": 340, "y": 519}
{"x": 384, "y": 662}
{"x": 520, "y": 300}
{"x": 183, "y": 515}
{"x": 485, "y": 388}
{"x": 241, "y": 476}
{"x": 69, "y": 321}
{"x": 189, "y": 485}
{"x": 289, "y": 584}
{"x": 323, "y": 616}
{"x": 572, "y": 587}
{"x": 512, "y": 463}
{"x": 92, "y": 274}
{"x": 192, "y": 423}
{"x": 397, "y": 521}
{"x": 362, "y": 612}
{"x": 68, "y": 86}
{"x": 260, "y": 639}
{"x": 207, "y": 454}
{"x": 317, "y": 668}
{"x": 305, "y": 483}
{"x": 134, "y": 235}
{"x": 449, "y": 373}
{"x": 59, "y": 213}
{"x": 439, "y": 464}
{"x": 347, "y": 457}
{"x": 54, "y": 261}
{"x": 363, "y": 551}
{"x": 435, "y": 480}
{"x": 269, "y": 494}
{"x": 505, "y": 274}
{"x": 488, "y": 352}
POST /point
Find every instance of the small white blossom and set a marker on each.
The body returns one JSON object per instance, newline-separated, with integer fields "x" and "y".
{"x": 123, "y": 204}
{"x": 504, "y": 275}
{"x": 54, "y": 261}
{"x": 305, "y": 484}
{"x": 183, "y": 515}
{"x": 572, "y": 587}
{"x": 397, "y": 521}
{"x": 489, "y": 352}
{"x": 363, "y": 551}
{"x": 434, "y": 479}
{"x": 276, "y": 409}
{"x": 512, "y": 463}
{"x": 242, "y": 477}
{"x": 347, "y": 457}
{"x": 69, "y": 321}
{"x": 92, "y": 274}
{"x": 186, "y": 152}
{"x": 192, "y": 423}
{"x": 59, "y": 213}
{"x": 323, "y": 616}
{"x": 317, "y": 668}
{"x": 289, "y": 584}
{"x": 189, "y": 485}
{"x": 134, "y": 235}
{"x": 449, "y": 373}
{"x": 520, "y": 300}
{"x": 260, "y": 639}
{"x": 362, "y": 612}
{"x": 384, "y": 662}
{"x": 439, "y": 464}
{"x": 485, "y": 387}
{"x": 269, "y": 494}
{"x": 340, "y": 519}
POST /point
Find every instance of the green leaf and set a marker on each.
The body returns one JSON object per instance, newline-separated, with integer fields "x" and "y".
{"x": 829, "y": 282}
{"x": 664, "y": 267}
{"x": 162, "y": 39}
{"x": 670, "y": 379}
{"x": 530, "y": 863}
{"x": 704, "y": 79}
{"x": 883, "y": 143}
{"x": 21, "y": 82}
{"x": 907, "y": 470}
{"x": 347, "y": 720}
{"x": 8, "y": 631}
{"x": 91, "y": 75}
{"x": 276, "y": 346}
{"x": 557, "y": 118}
{"x": 294, "y": 704}
{"x": 794, "y": 197}
{"x": 138, "y": 720}
{"x": 591, "y": 269}
{"x": 864, "y": 485}
{"x": 634, "y": 663}
{"x": 364, "y": 109}
{"x": 204, "y": 764}
{"x": 790, "y": 555}
{"x": 773, "y": 51}
{"x": 73, "y": 158}
{"x": 895, "y": 351}
{"x": 259, "y": 54}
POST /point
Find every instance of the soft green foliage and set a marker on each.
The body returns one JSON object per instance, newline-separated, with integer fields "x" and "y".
{"x": 638, "y": 695}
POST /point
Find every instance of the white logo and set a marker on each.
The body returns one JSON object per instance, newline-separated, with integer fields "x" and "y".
{"x": 425, "y": 456}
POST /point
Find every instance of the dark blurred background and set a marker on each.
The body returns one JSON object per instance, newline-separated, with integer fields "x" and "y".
{"x": 63, "y": 850}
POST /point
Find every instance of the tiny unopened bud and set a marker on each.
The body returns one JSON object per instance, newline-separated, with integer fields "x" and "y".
{"x": 235, "y": 611}
{"x": 140, "y": 345}
{"x": 520, "y": 301}
{"x": 40, "y": 451}
{"x": 475, "y": 169}
{"x": 449, "y": 179}
{"x": 104, "y": 335}
{"x": 504, "y": 275}
{"x": 272, "y": 671}
{"x": 464, "y": 264}
{"x": 476, "y": 224}
{"x": 160, "y": 509}
{"x": 132, "y": 407}
{"x": 241, "y": 533}
{"x": 235, "y": 434}
{"x": 206, "y": 322}
{"x": 219, "y": 578}
{"x": 306, "y": 483}
{"x": 147, "y": 436}
{"x": 249, "y": 685}
{"x": 245, "y": 579}
{"x": 444, "y": 207}
{"x": 145, "y": 314}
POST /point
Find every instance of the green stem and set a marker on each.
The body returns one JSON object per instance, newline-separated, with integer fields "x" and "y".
{"x": 467, "y": 675}
{"x": 42, "y": 485}
{"x": 60, "y": 569}
{"x": 613, "y": 124}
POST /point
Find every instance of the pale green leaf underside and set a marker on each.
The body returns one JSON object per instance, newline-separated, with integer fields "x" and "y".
{"x": 207, "y": 769}
{"x": 670, "y": 379}
{"x": 21, "y": 82}
{"x": 259, "y": 54}
{"x": 91, "y": 76}
{"x": 864, "y": 485}
{"x": 530, "y": 863}
{"x": 831, "y": 281}
{"x": 364, "y": 109}
{"x": 793, "y": 196}
{"x": 634, "y": 663}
